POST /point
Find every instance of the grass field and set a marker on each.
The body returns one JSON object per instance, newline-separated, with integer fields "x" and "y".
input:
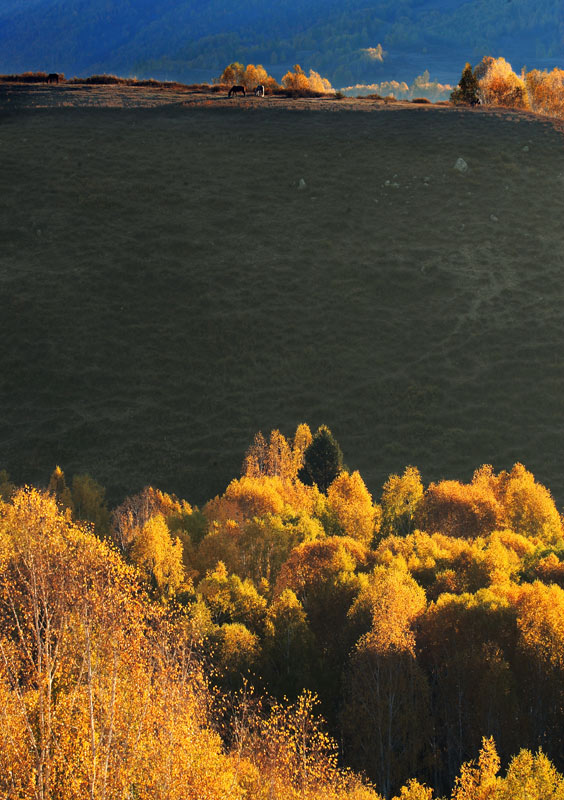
{"x": 167, "y": 290}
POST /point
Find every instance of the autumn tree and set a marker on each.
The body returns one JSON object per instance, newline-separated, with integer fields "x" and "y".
{"x": 295, "y": 79}
{"x": 499, "y": 85}
{"x": 531, "y": 776}
{"x": 386, "y": 704}
{"x": 545, "y": 91}
{"x": 478, "y": 779}
{"x": 277, "y": 456}
{"x": 529, "y": 508}
{"x": 400, "y": 501}
{"x": 131, "y": 515}
{"x": 232, "y": 74}
{"x": 159, "y": 556}
{"x": 466, "y": 647}
{"x": 352, "y": 505}
{"x": 99, "y": 695}
{"x": 459, "y": 509}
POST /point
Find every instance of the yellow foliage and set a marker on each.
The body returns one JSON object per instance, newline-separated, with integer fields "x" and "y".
{"x": 479, "y": 781}
{"x": 546, "y": 91}
{"x": 159, "y": 556}
{"x": 400, "y": 500}
{"x": 414, "y": 791}
{"x": 394, "y": 601}
{"x": 529, "y": 507}
{"x": 320, "y": 563}
{"x": 499, "y": 85}
{"x": 129, "y": 517}
{"x": 238, "y": 647}
{"x": 98, "y": 697}
{"x": 541, "y": 623}
{"x": 352, "y": 503}
{"x": 249, "y": 497}
{"x": 531, "y": 777}
{"x": 460, "y": 509}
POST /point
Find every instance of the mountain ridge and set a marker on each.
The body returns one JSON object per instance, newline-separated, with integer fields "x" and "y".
{"x": 174, "y": 38}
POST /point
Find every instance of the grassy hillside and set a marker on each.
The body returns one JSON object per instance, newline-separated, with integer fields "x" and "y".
{"x": 167, "y": 290}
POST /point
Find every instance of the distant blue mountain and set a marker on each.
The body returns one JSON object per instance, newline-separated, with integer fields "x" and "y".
{"x": 195, "y": 39}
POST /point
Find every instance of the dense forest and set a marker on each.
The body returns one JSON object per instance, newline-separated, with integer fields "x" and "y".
{"x": 160, "y": 650}
{"x": 174, "y": 38}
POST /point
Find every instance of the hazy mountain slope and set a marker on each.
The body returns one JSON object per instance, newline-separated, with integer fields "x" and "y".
{"x": 177, "y": 36}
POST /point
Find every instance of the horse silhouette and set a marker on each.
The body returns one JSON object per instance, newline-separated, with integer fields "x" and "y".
{"x": 236, "y": 90}
{"x": 259, "y": 90}
{"x": 53, "y": 77}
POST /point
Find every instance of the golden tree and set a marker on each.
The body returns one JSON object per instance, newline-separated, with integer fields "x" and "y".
{"x": 352, "y": 504}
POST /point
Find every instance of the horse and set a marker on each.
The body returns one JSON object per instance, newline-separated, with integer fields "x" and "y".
{"x": 53, "y": 77}
{"x": 259, "y": 90}
{"x": 236, "y": 90}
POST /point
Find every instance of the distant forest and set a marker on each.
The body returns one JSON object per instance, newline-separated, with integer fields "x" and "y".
{"x": 159, "y": 650}
{"x": 171, "y": 38}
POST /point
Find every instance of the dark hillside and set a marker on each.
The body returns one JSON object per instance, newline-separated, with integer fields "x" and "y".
{"x": 168, "y": 289}
{"x": 172, "y": 38}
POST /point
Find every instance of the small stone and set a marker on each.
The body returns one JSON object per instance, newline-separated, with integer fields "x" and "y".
{"x": 302, "y": 185}
{"x": 526, "y": 148}
{"x": 461, "y": 166}
{"x": 387, "y": 183}
{"x": 494, "y": 218}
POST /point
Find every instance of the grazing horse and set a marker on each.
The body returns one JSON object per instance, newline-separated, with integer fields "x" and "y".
{"x": 53, "y": 77}
{"x": 236, "y": 90}
{"x": 259, "y": 90}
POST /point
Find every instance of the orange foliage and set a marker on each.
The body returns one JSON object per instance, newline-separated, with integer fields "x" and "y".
{"x": 316, "y": 563}
{"x": 499, "y": 85}
{"x": 460, "y": 509}
{"x": 297, "y": 80}
{"x": 546, "y": 91}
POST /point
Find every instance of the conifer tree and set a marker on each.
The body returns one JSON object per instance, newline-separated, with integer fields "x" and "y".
{"x": 323, "y": 460}
{"x": 467, "y": 89}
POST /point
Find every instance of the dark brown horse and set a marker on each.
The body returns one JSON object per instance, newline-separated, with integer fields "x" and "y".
{"x": 53, "y": 77}
{"x": 236, "y": 90}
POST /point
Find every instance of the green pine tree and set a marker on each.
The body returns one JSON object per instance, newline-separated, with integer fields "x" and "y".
{"x": 467, "y": 89}
{"x": 323, "y": 460}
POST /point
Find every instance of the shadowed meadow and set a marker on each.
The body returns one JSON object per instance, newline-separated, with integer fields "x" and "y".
{"x": 167, "y": 290}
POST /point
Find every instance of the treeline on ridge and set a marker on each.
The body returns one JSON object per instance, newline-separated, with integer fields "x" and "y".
{"x": 494, "y": 83}
{"x": 148, "y": 651}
